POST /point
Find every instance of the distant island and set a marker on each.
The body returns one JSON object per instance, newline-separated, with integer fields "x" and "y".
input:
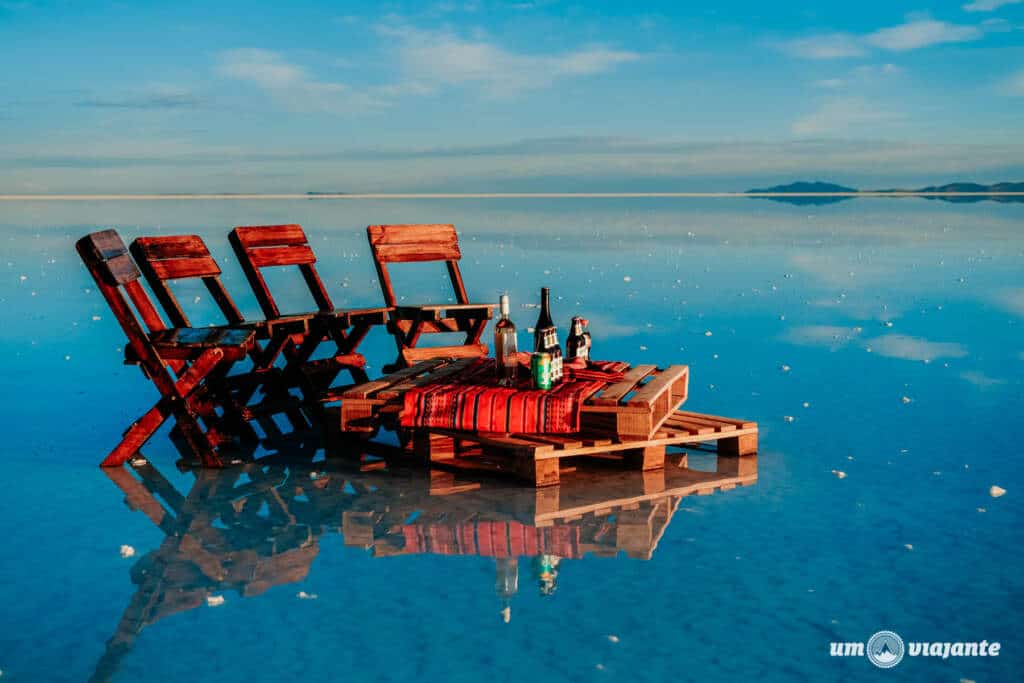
{"x": 802, "y": 188}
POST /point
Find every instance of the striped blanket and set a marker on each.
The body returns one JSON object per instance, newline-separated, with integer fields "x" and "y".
{"x": 473, "y": 401}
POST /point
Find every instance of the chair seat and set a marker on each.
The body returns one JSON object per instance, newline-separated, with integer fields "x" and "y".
{"x": 203, "y": 337}
{"x": 438, "y": 311}
{"x": 365, "y": 316}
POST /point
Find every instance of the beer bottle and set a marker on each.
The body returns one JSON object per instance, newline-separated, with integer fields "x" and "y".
{"x": 578, "y": 344}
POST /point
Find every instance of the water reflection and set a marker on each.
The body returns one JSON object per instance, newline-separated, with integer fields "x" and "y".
{"x": 255, "y": 526}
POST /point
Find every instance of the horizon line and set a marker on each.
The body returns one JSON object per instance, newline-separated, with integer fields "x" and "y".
{"x": 484, "y": 195}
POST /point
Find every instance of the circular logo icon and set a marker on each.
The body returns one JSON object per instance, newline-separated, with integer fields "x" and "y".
{"x": 885, "y": 649}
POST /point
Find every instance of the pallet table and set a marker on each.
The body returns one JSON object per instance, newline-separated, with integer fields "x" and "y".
{"x": 633, "y": 420}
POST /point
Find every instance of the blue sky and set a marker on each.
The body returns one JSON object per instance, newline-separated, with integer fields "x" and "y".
{"x": 505, "y": 96}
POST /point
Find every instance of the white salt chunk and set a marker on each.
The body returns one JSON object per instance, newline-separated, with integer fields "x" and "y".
{"x": 214, "y": 600}
{"x": 996, "y": 491}
{"x": 303, "y": 595}
{"x": 839, "y": 474}
{"x": 906, "y": 399}
{"x": 127, "y": 551}
{"x": 788, "y": 418}
{"x": 627, "y": 278}
{"x": 785, "y": 368}
{"x": 908, "y": 546}
{"x": 612, "y": 638}
{"x": 707, "y": 333}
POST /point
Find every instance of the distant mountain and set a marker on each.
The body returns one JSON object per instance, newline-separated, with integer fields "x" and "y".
{"x": 975, "y": 187}
{"x": 803, "y": 187}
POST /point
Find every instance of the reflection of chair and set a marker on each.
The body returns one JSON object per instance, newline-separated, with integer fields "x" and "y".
{"x": 265, "y": 246}
{"x": 259, "y": 525}
{"x": 425, "y": 243}
{"x": 199, "y": 358}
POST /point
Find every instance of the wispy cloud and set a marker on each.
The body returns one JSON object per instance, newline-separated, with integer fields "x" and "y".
{"x": 915, "y": 348}
{"x": 291, "y": 85}
{"x": 156, "y": 97}
{"x": 987, "y": 5}
{"x": 825, "y": 46}
{"x": 433, "y": 59}
{"x": 915, "y": 33}
{"x": 1012, "y": 300}
{"x": 842, "y": 115}
{"x": 1013, "y": 85}
{"x": 981, "y": 380}
{"x": 919, "y": 33}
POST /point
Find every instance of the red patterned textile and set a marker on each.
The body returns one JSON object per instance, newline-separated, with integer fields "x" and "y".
{"x": 472, "y": 401}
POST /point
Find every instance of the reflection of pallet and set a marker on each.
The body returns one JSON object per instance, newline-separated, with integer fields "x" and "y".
{"x": 536, "y": 457}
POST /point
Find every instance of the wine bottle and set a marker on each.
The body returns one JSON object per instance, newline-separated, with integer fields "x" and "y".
{"x": 505, "y": 346}
{"x": 545, "y": 335}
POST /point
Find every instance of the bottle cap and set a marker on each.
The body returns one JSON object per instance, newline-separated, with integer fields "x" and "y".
{"x": 503, "y": 304}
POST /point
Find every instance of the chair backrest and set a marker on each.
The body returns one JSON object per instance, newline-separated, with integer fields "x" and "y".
{"x": 415, "y": 243}
{"x": 181, "y": 257}
{"x": 111, "y": 266}
{"x": 265, "y": 246}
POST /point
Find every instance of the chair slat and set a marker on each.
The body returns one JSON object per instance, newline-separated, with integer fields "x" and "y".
{"x": 270, "y": 235}
{"x": 121, "y": 269}
{"x": 179, "y": 268}
{"x": 281, "y": 256}
{"x": 171, "y": 246}
{"x": 409, "y": 243}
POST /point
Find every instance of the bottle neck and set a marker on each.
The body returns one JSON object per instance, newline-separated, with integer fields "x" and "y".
{"x": 545, "y": 309}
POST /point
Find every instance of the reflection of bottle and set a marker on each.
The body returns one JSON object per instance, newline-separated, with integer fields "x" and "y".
{"x": 545, "y": 568}
{"x": 545, "y": 335}
{"x": 506, "y": 584}
{"x": 505, "y": 346}
{"x": 578, "y": 343}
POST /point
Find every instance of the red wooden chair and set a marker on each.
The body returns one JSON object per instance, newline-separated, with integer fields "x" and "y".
{"x": 178, "y": 257}
{"x": 186, "y": 364}
{"x": 418, "y": 243}
{"x": 266, "y": 246}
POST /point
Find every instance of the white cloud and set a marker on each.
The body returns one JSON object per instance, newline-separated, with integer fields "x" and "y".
{"x": 981, "y": 380}
{"x": 821, "y": 335}
{"x": 915, "y": 348}
{"x": 1012, "y": 300}
{"x": 1013, "y": 85}
{"x": 922, "y": 33}
{"x": 825, "y": 46}
{"x": 291, "y": 85}
{"x": 842, "y": 115}
{"x": 431, "y": 59}
{"x": 915, "y": 33}
{"x": 987, "y": 5}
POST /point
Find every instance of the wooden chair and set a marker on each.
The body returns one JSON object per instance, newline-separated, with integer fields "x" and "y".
{"x": 178, "y": 257}
{"x": 186, "y": 364}
{"x": 424, "y": 243}
{"x": 265, "y": 246}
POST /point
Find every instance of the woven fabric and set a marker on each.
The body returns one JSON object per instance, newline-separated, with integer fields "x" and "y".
{"x": 472, "y": 401}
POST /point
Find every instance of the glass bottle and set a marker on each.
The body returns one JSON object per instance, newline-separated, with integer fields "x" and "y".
{"x": 505, "y": 346}
{"x": 545, "y": 335}
{"x": 577, "y": 345}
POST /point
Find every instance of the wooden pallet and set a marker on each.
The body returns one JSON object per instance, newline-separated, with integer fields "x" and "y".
{"x": 639, "y": 405}
{"x": 537, "y": 458}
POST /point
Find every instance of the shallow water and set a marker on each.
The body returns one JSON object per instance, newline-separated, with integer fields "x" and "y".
{"x": 880, "y": 338}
